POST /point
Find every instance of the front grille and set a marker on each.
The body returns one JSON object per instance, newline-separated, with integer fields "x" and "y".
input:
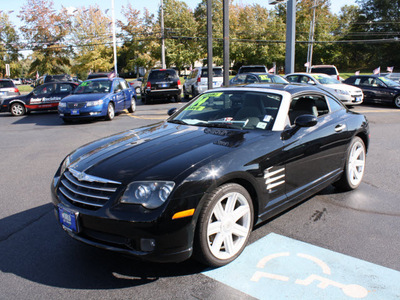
{"x": 87, "y": 192}
{"x": 76, "y": 105}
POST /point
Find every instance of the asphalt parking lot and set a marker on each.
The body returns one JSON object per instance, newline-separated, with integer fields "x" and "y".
{"x": 333, "y": 246}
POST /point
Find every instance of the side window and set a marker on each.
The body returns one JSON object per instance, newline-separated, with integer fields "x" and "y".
{"x": 293, "y": 78}
{"x": 334, "y": 104}
{"x": 307, "y": 105}
{"x": 44, "y": 89}
{"x": 117, "y": 85}
{"x": 64, "y": 88}
{"x": 124, "y": 84}
{"x": 251, "y": 79}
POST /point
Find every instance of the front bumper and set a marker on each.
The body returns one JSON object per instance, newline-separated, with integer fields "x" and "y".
{"x": 128, "y": 230}
{"x": 85, "y": 112}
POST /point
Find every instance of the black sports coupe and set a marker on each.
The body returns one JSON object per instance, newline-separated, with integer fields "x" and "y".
{"x": 197, "y": 183}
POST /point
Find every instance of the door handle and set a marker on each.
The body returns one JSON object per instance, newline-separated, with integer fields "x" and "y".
{"x": 340, "y": 127}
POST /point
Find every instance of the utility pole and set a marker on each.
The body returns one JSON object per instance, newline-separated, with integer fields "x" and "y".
{"x": 311, "y": 39}
{"x": 209, "y": 45}
{"x": 114, "y": 39}
{"x": 226, "y": 41}
{"x": 290, "y": 36}
{"x": 162, "y": 37}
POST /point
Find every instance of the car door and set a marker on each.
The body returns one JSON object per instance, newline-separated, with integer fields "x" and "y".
{"x": 383, "y": 93}
{"x": 128, "y": 93}
{"x": 315, "y": 154}
{"x": 42, "y": 95}
{"x": 118, "y": 96}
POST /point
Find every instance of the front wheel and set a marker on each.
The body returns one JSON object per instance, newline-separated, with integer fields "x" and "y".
{"x": 110, "y": 112}
{"x": 397, "y": 101}
{"x": 355, "y": 165}
{"x": 224, "y": 225}
{"x": 17, "y": 109}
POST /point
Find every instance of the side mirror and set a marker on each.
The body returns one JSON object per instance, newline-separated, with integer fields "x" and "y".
{"x": 311, "y": 82}
{"x": 171, "y": 111}
{"x": 299, "y": 122}
{"x": 306, "y": 121}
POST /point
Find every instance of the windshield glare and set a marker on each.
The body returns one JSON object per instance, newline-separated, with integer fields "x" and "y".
{"x": 94, "y": 86}
{"x": 231, "y": 109}
{"x": 325, "y": 79}
{"x": 389, "y": 82}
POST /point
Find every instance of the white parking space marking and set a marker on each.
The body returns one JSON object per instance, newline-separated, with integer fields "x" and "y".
{"x": 277, "y": 267}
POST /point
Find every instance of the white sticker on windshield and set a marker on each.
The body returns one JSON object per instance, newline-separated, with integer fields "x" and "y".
{"x": 261, "y": 125}
{"x": 267, "y": 118}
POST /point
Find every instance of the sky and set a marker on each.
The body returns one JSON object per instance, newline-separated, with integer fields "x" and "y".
{"x": 151, "y": 5}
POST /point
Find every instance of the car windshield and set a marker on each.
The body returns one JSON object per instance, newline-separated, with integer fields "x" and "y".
{"x": 389, "y": 82}
{"x": 325, "y": 79}
{"x": 231, "y": 109}
{"x": 94, "y": 86}
{"x": 217, "y": 72}
{"x": 271, "y": 78}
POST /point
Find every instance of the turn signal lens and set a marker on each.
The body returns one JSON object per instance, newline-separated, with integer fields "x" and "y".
{"x": 183, "y": 214}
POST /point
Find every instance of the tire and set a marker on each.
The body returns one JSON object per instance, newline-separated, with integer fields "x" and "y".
{"x": 137, "y": 90}
{"x": 224, "y": 225}
{"x": 178, "y": 98}
{"x": 185, "y": 94}
{"x": 132, "y": 107}
{"x": 110, "y": 112}
{"x": 17, "y": 109}
{"x": 396, "y": 101}
{"x": 355, "y": 166}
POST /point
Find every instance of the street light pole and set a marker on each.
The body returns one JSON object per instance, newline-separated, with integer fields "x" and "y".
{"x": 311, "y": 39}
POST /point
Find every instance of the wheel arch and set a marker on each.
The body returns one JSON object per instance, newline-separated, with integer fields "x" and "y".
{"x": 365, "y": 138}
{"x": 16, "y": 101}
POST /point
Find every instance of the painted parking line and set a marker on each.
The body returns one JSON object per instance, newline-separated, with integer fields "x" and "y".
{"x": 277, "y": 267}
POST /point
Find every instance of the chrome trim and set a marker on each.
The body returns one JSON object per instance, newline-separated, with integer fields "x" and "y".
{"x": 77, "y": 200}
{"x": 69, "y": 187}
{"x": 78, "y": 183}
{"x": 82, "y": 176}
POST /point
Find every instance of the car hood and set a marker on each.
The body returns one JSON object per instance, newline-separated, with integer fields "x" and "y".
{"x": 84, "y": 97}
{"x": 343, "y": 86}
{"x": 159, "y": 152}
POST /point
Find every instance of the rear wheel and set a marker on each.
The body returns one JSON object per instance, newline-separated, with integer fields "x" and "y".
{"x": 132, "y": 107}
{"x": 17, "y": 109}
{"x": 397, "y": 101}
{"x": 137, "y": 90}
{"x": 110, "y": 112}
{"x": 355, "y": 165}
{"x": 224, "y": 225}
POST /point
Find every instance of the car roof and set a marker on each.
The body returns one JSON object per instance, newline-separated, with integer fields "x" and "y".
{"x": 323, "y": 66}
{"x": 256, "y": 73}
{"x": 291, "y": 88}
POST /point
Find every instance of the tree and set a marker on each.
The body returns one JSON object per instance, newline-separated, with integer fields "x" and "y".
{"x": 182, "y": 49}
{"x": 90, "y": 34}
{"x": 45, "y": 30}
{"x": 8, "y": 46}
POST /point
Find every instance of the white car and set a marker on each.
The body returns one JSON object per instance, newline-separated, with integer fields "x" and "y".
{"x": 197, "y": 82}
{"x": 349, "y": 95}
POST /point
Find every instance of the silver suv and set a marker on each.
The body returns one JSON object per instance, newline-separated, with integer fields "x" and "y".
{"x": 197, "y": 82}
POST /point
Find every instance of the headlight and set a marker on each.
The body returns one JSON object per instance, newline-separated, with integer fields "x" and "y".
{"x": 66, "y": 163}
{"x": 94, "y": 103}
{"x": 342, "y": 92}
{"x": 150, "y": 194}
{"x": 62, "y": 104}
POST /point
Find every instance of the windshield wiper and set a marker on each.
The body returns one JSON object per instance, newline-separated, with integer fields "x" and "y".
{"x": 177, "y": 122}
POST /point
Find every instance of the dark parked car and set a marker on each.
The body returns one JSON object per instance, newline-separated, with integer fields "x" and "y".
{"x": 161, "y": 84}
{"x": 198, "y": 182}
{"x": 44, "y": 97}
{"x": 377, "y": 89}
{"x": 257, "y": 77}
{"x": 52, "y": 78}
{"x": 96, "y": 98}
{"x": 8, "y": 89}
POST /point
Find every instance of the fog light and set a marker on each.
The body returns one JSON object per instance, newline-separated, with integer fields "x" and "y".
{"x": 147, "y": 245}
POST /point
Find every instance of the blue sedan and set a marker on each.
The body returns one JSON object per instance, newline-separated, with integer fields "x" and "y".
{"x": 95, "y": 98}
